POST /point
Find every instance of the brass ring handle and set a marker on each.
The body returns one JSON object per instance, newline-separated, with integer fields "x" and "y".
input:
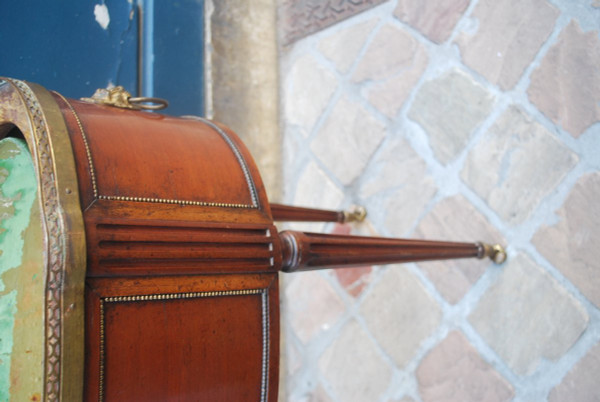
{"x": 148, "y": 103}
{"x": 119, "y": 97}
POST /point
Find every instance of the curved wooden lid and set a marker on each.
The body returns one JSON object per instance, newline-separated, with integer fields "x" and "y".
{"x": 133, "y": 156}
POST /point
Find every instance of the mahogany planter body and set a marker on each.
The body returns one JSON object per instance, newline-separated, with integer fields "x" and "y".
{"x": 163, "y": 280}
{"x": 181, "y": 290}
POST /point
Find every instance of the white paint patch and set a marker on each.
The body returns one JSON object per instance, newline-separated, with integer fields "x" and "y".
{"x": 102, "y": 16}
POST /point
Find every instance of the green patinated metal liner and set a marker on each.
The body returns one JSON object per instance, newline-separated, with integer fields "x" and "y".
{"x": 21, "y": 285}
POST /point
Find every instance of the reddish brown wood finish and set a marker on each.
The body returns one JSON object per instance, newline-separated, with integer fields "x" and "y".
{"x": 309, "y": 251}
{"x": 120, "y": 151}
{"x": 183, "y": 257}
{"x": 137, "y": 247}
{"x": 201, "y": 338}
{"x": 297, "y": 214}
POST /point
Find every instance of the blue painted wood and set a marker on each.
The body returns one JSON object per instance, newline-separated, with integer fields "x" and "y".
{"x": 178, "y": 45}
{"x": 60, "y": 44}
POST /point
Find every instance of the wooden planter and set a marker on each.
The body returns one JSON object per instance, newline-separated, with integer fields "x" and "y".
{"x": 155, "y": 269}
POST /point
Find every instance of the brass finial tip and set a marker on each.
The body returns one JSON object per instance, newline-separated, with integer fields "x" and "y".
{"x": 499, "y": 254}
{"x": 495, "y": 252}
{"x": 356, "y": 214}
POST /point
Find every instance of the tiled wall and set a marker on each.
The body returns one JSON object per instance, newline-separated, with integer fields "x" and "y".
{"x": 457, "y": 120}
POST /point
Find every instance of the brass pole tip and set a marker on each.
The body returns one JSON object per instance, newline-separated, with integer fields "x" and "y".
{"x": 499, "y": 254}
{"x": 495, "y": 252}
{"x": 356, "y": 214}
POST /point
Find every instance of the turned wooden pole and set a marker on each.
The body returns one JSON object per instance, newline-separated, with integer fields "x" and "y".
{"x": 308, "y": 251}
{"x": 287, "y": 213}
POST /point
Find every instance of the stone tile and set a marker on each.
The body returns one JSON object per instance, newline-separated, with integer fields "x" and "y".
{"x": 292, "y": 358}
{"x": 309, "y": 87}
{"x": 456, "y": 219}
{"x": 400, "y": 176}
{"x": 454, "y": 371}
{"x": 299, "y": 18}
{"x": 342, "y": 229}
{"x": 317, "y": 395}
{"x": 320, "y": 395}
{"x": 516, "y": 164}
{"x": 526, "y": 316}
{"x": 353, "y": 366}
{"x": 450, "y": 108}
{"x": 347, "y": 140}
{"x": 400, "y": 314}
{"x": 581, "y": 383}
{"x": 566, "y": 85}
{"x": 343, "y": 46}
{"x": 390, "y": 95}
{"x": 434, "y": 19}
{"x": 315, "y": 189}
{"x": 354, "y": 279}
{"x": 313, "y": 305}
{"x": 392, "y": 65}
{"x": 397, "y": 165}
{"x": 292, "y": 143}
{"x": 386, "y": 55}
{"x": 509, "y": 34}
{"x": 404, "y": 207}
{"x": 572, "y": 244}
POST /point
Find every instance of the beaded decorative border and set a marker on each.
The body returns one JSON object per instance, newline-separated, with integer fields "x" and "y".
{"x": 264, "y": 388}
{"x": 236, "y": 152}
{"x": 85, "y": 143}
{"x": 54, "y": 222}
{"x": 230, "y": 143}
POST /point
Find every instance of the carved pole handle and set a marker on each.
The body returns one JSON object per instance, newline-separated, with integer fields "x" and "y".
{"x": 309, "y": 251}
{"x": 288, "y": 213}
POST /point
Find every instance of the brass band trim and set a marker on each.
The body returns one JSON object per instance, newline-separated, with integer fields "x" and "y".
{"x": 56, "y": 247}
{"x": 49, "y": 143}
{"x": 230, "y": 143}
{"x": 193, "y": 295}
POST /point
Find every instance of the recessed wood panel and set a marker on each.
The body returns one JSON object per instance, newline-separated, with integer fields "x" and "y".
{"x": 187, "y": 347}
{"x": 148, "y": 342}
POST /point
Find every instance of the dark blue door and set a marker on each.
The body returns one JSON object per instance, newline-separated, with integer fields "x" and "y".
{"x": 152, "y": 48}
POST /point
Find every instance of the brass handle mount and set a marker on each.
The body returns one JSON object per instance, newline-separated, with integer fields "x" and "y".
{"x": 119, "y": 97}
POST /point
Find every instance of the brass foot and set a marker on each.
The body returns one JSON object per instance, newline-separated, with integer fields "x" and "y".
{"x": 495, "y": 252}
{"x": 356, "y": 214}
